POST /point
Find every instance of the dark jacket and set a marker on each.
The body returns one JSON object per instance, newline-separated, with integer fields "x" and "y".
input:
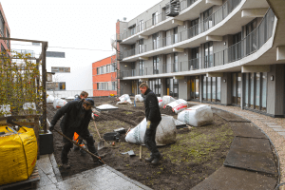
{"x": 152, "y": 111}
{"x": 70, "y": 120}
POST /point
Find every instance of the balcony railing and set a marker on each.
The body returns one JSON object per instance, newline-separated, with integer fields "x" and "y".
{"x": 248, "y": 45}
{"x": 219, "y": 15}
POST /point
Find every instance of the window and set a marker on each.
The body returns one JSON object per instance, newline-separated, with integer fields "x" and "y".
{"x": 251, "y": 40}
{"x": 208, "y": 53}
{"x": 133, "y": 29}
{"x": 106, "y": 69}
{"x": 194, "y": 86}
{"x": 60, "y": 69}
{"x": 155, "y": 86}
{"x": 208, "y": 19}
{"x": 56, "y": 86}
{"x": 141, "y": 49}
{"x": 155, "y": 41}
{"x": 133, "y": 49}
{"x": 55, "y": 54}
{"x": 155, "y": 65}
{"x": 8, "y": 36}
{"x": 236, "y": 88}
{"x": 175, "y": 65}
{"x": 193, "y": 31}
{"x": 255, "y": 91}
{"x": 106, "y": 86}
{"x": 2, "y": 24}
{"x": 212, "y": 89}
{"x": 141, "y": 68}
{"x": 194, "y": 62}
{"x": 155, "y": 18}
{"x": 235, "y": 50}
{"x": 175, "y": 35}
{"x": 172, "y": 87}
{"x": 140, "y": 26}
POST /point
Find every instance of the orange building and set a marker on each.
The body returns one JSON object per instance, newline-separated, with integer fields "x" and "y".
{"x": 104, "y": 77}
{"x": 4, "y": 31}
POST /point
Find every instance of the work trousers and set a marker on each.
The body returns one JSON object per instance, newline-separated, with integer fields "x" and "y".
{"x": 149, "y": 139}
{"x": 68, "y": 145}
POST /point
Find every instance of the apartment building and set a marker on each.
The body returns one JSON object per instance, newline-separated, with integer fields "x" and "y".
{"x": 228, "y": 52}
{"x": 4, "y": 31}
{"x": 104, "y": 77}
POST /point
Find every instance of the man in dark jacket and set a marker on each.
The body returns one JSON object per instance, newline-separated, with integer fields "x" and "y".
{"x": 77, "y": 115}
{"x": 153, "y": 117}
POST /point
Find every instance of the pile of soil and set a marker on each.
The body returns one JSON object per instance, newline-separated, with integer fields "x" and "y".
{"x": 167, "y": 111}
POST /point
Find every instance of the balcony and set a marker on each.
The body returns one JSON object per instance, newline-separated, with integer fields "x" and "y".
{"x": 172, "y": 8}
{"x": 247, "y": 46}
{"x": 188, "y": 33}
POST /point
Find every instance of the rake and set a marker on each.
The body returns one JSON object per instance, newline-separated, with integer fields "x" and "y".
{"x": 101, "y": 143}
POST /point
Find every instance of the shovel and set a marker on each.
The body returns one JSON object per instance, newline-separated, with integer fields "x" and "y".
{"x": 101, "y": 143}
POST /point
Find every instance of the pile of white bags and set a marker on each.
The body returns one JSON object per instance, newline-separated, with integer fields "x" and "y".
{"x": 59, "y": 103}
{"x": 197, "y": 115}
{"x": 178, "y": 105}
{"x": 165, "y": 133}
{"x": 50, "y": 99}
{"x": 139, "y": 98}
{"x": 166, "y": 100}
{"x": 124, "y": 99}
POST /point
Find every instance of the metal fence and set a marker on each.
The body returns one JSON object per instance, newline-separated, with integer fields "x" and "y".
{"x": 248, "y": 45}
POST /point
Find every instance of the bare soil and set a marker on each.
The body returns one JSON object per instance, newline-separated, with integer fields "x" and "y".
{"x": 197, "y": 153}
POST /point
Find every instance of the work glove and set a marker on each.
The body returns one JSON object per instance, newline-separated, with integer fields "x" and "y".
{"x": 148, "y": 124}
{"x": 51, "y": 127}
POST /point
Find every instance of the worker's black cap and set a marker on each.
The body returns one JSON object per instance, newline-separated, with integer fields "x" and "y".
{"x": 89, "y": 101}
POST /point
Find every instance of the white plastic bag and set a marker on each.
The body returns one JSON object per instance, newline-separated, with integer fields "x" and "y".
{"x": 139, "y": 98}
{"x": 197, "y": 115}
{"x": 70, "y": 98}
{"x": 124, "y": 99}
{"x": 160, "y": 102}
{"x": 165, "y": 133}
{"x": 29, "y": 106}
{"x": 107, "y": 107}
{"x": 178, "y": 105}
{"x": 166, "y": 100}
{"x": 58, "y": 103}
{"x": 50, "y": 99}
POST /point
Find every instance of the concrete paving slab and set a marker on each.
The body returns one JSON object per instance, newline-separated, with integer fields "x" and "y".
{"x": 49, "y": 187}
{"x": 281, "y": 133}
{"x": 235, "y": 179}
{"x": 246, "y": 130}
{"x": 45, "y": 180}
{"x": 227, "y": 116}
{"x": 273, "y": 126}
{"x": 251, "y": 154}
{"x": 279, "y": 129}
{"x": 55, "y": 168}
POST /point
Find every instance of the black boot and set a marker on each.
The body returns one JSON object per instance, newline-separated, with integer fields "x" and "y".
{"x": 149, "y": 159}
{"x": 156, "y": 159}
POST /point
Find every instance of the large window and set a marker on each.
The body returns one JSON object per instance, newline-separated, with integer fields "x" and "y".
{"x": 155, "y": 41}
{"x": 106, "y": 86}
{"x": 251, "y": 40}
{"x": 208, "y": 18}
{"x": 172, "y": 87}
{"x": 194, "y": 30}
{"x": 60, "y": 69}
{"x": 155, "y": 18}
{"x": 208, "y": 53}
{"x": 194, "y": 62}
{"x": 175, "y": 35}
{"x": 155, "y": 86}
{"x": 212, "y": 89}
{"x": 140, "y": 26}
{"x": 156, "y": 65}
{"x": 141, "y": 49}
{"x": 56, "y": 86}
{"x": 133, "y": 29}
{"x": 235, "y": 50}
{"x": 236, "y": 88}
{"x": 106, "y": 69}
{"x": 255, "y": 91}
{"x": 141, "y": 68}
{"x": 175, "y": 64}
{"x": 55, "y": 54}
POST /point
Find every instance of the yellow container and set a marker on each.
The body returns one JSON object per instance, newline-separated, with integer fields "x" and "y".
{"x": 18, "y": 154}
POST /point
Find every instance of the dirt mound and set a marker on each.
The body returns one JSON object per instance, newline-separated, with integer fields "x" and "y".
{"x": 167, "y": 111}
{"x": 104, "y": 117}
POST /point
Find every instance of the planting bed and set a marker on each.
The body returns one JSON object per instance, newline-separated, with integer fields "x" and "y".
{"x": 197, "y": 153}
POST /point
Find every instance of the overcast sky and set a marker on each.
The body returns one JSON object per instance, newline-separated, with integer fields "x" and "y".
{"x": 71, "y": 23}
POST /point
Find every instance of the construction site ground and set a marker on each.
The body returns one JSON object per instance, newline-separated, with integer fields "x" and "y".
{"x": 197, "y": 153}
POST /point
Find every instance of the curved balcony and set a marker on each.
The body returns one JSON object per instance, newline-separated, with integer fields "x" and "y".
{"x": 190, "y": 34}
{"x": 237, "y": 52}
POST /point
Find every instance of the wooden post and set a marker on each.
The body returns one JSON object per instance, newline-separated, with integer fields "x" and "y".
{"x": 44, "y": 77}
{"x": 37, "y": 133}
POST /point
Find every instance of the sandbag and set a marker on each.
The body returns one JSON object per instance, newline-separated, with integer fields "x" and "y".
{"x": 18, "y": 154}
{"x": 124, "y": 99}
{"x": 50, "y": 99}
{"x": 166, "y": 100}
{"x": 139, "y": 98}
{"x": 165, "y": 133}
{"x": 59, "y": 103}
{"x": 197, "y": 115}
{"x": 178, "y": 105}
{"x": 29, "y": 106}
{"x": 160, "y": 102}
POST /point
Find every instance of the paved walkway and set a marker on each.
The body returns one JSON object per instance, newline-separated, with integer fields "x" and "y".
{"x": 100, "y": 178}
{"x": 274, "y": 128}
